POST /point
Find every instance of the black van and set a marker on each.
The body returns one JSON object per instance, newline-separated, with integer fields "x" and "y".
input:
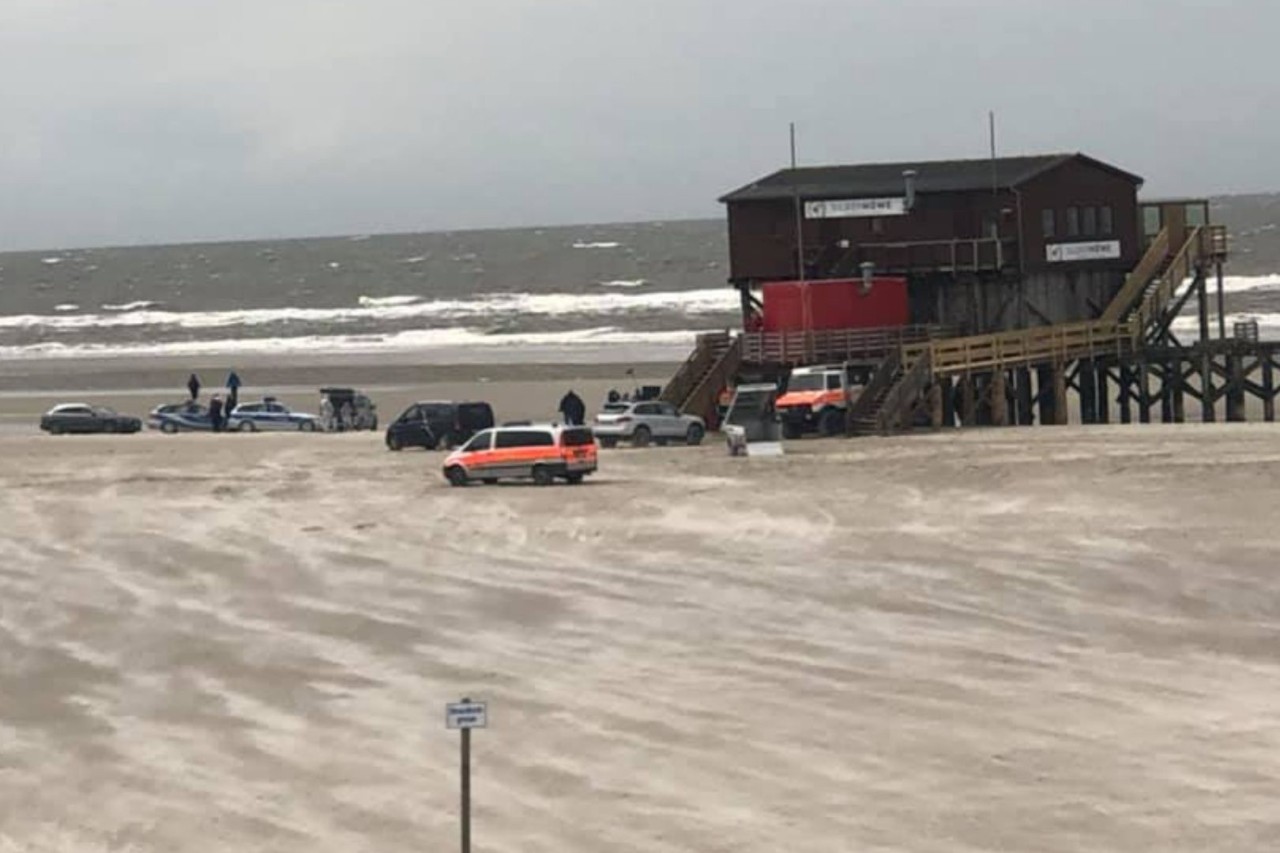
{"x": 435, "y": 424}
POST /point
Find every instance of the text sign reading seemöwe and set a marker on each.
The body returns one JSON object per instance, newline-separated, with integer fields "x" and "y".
{"x": 853, "y": 208}
{"x": 1102, "y": 250}
{"x": 466, "y": 715}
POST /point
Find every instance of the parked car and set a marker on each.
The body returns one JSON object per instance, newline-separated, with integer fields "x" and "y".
{"x": 346, "y": 409}
{"x": 539, "y": 453}
{"x": 83, "y": 418}
{"x": 435, "y": 424}
{"x": 643, "y": 422}
{"x": 270, "y": 414}
{"x": 187, "y": 416}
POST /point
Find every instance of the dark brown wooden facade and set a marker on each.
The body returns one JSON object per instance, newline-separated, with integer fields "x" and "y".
{"x": 987, "y": 245}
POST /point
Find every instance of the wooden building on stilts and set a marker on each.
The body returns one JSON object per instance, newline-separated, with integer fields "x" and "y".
{"x": 1039, "y": 287}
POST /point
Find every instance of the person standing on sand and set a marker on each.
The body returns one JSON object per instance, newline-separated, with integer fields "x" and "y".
{"x": 193, "y": 385}
{"x": 233, "y": 391}
{"x": 573, "y": 409}
{"x": 215, "y": 413}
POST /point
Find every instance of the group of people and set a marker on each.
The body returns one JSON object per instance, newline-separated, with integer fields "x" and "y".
{"x": 219, "y": 410}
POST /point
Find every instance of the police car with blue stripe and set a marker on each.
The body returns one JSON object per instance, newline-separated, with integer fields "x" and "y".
{"x": 270, "y": 415}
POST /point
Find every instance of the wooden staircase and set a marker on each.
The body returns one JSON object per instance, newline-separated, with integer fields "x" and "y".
{"x": 711, "y": 366}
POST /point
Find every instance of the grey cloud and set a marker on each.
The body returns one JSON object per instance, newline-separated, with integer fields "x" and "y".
{"x": 148, "y": 120}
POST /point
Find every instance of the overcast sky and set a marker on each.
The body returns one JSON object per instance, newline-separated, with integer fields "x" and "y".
{"x": 135, "y": 121}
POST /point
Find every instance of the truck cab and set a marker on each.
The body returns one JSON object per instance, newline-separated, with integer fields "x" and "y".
{"x": 817, "y": 399}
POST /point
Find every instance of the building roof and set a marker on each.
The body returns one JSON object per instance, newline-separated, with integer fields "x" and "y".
{"x": 870, "y": 180}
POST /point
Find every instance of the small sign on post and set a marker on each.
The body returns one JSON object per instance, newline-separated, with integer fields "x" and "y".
{"x": 465, "y": 716}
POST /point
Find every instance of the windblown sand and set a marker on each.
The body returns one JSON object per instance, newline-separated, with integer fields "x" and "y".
{"x": 1021, "y": 640}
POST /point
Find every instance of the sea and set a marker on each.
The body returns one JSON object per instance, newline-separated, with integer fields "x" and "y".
{"x": 650, "y": 287}
{"x": 551, "y": 293}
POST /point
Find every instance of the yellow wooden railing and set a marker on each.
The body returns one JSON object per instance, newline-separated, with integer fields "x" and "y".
{"x": 1137, "y": 281}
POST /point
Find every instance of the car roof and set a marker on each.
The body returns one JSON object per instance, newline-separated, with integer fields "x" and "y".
{"x": 63, "y": 406}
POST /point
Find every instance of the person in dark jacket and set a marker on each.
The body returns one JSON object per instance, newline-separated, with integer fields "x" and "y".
{"x": 193, "y": 385}
{"x": 233, "y": 391}
{"x": 573, "y": 409}
{"x": 216, "y": 420}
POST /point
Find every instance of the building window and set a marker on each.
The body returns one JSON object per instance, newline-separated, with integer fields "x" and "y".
{"x": 1090, "y": 225}
{"x": 1197, "y": 215}
{"x": 1106, "y": 226}
{"x": 1049, "y": 222}
{"x": 1073, "y": 222}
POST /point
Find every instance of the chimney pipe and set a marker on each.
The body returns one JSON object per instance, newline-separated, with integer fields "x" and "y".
{"x": 868, "y": 271}
{"x": 909, "y": 178}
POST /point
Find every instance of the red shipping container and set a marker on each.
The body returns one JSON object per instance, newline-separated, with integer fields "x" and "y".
{"x": 797, "y": 306}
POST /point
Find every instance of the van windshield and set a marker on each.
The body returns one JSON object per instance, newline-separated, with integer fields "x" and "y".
{"x": 807, "y": 382}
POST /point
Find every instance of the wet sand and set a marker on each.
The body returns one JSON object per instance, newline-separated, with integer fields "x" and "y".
{"x": 1054, "y": 639}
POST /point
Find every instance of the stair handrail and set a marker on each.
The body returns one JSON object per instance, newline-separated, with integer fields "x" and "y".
{"x": 881, "y": 381}
{"x": 1179, "y": 269}
{"x": 1137, "y": 280}
{"x": 905, "y": 392}
{"x": 679, "y": 386}
{"x": 701, "y": 398}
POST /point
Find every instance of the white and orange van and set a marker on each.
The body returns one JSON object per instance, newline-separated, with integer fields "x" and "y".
{"x": 524, "y": 452}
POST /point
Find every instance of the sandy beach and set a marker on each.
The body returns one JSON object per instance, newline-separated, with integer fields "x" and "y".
{"x": 1054, "y": 639}
{"x": 517, "y": 391}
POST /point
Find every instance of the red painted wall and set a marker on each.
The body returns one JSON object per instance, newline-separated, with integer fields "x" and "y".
{"x": 794, "y": 306}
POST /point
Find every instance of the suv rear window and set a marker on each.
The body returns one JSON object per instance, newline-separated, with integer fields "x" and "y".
{"x": 576, "y": 437}
{"x": 524, "y": 438}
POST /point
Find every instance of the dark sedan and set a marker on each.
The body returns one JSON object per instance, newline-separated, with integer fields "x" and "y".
{"x": 82, "y": 418}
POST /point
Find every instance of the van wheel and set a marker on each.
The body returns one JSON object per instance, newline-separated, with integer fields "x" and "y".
{"x": 169, "y": 426}
{"x": 640, "y": 438}
{"x": 393, "y": 443}
{"x": 831, "y": 423}
{"x": 694, "y": 435}
{"x": 542, "y": 476}
{"x": 791, "y": 430}
{"x": 456, "y": 476}
{"x": 247, "y": 426}
{"x": 573, "y": 479}
{"x": 307, "y": 426}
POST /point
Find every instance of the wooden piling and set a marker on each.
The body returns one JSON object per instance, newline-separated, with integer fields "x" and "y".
{"x": 1268, "y": 390}
{"x": 1086, "y": 381}
{"x": 1059, "y": 383}
{"x": 998, "y": 399}
{"x": 1144, "y": 392}
{"x": 1026, "y": 398}
{"x": 1103, "y": 409}
{"x": 1206, "y": 388}
{"x": 1126, "y": 394}
{"x": 968, "y": 401}
{"x": 1235, "y": 388}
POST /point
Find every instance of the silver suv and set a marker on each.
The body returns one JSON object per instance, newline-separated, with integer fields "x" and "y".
{"x": 643, "y": 422}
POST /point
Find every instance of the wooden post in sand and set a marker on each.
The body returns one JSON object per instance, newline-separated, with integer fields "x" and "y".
{"x": 466, "y": 715}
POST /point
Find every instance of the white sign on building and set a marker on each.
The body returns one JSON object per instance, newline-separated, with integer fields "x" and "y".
{"x": 849, "y": 208}
{"x": 466, "y": 715}
{"x": 1065, "y": 253}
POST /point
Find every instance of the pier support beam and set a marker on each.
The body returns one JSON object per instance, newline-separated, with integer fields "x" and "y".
{"x": 1144, "y": 393}
{"x": 1268, "y": 390}
{"x": 999, "y": 399}
{"x": 968, "y": 402}
{"x": 1126, "y": 394}
{"x": 1086, "y": 380}
{"x": 1235, "y": 388}
{"x": 1104, "y": 396}
{"x": 1166, "y": 392}
{"x": 1206, "y": 388}
{"x": 935, "y": 405}
{"x": 1059, "y": 383}
{"x": 948, "y": 401}
{"x": 1026, "y": 398}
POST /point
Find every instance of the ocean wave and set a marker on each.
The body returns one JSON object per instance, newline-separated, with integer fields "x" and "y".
{"x": 1268, "y": 324}
{"x": 689, "y": 302}
{"x": 623, "y": 282}
{"x": 137, "y": 305}
{"x": 381, "y": 301}
{"x": 67, "y": 306}
{"x": 602, "y": 245}
{"x": 406, "y": 341}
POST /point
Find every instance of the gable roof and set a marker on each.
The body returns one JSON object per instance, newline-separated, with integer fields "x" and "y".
{"x": 871, "y": 180}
